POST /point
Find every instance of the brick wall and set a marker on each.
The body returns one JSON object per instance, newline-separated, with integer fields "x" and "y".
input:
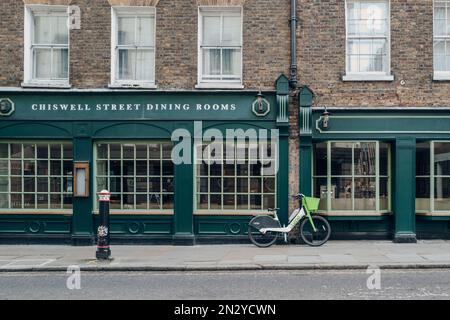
{"x": 266, "y": 51}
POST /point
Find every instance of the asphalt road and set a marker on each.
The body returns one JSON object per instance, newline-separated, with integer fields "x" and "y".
{"x": 352, "y": 284}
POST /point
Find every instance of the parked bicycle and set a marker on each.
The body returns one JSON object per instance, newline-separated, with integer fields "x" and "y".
{"x": 314, "y": 229}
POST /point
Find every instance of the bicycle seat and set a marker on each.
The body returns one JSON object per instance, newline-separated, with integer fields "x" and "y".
{"x": 273, "y": 209}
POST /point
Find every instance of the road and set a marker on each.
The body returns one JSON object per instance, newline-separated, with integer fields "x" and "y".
{"x": 351, "y": 284}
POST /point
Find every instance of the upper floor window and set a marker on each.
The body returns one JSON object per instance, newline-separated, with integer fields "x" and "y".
{"x": 441, "y": 35}
{"x": 46, "y": 46}
{"x": 133, "y": 46}
{"x": 220, "y": 47}
{"x": 368, "y": 40}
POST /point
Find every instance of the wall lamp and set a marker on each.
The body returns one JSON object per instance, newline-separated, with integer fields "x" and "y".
{"x": 325, "y": 119}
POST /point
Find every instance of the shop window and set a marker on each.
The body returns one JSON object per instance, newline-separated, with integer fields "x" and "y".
{"x": 138, "y": 175}
{"x": 36, "y": 176}
{"x": 433, "y": 177}
{"x": 133, "y": 47}
{"x": 352, "y": 177}
{"x": 368, "y": 40}
{"x": 441, "y": 36}
{"x": 240, "y": 178}
{"x": 220, "y": 47}
{"x": 46, "y": 46}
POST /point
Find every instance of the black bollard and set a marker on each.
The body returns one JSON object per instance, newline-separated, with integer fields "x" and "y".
{"x": 103, "y": 249}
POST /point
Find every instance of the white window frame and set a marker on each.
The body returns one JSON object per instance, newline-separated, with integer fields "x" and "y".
{"x": 30, "y": 12}
{"x": 220, "y": 84}
{"x": 440, "y": 75}
{"x": 132, "y": 11}
{"x": 369, "y": 76}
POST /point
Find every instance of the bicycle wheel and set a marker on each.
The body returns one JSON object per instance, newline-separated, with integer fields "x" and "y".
{"x": 315, "y": 238}
{"x": 259, "y": 239}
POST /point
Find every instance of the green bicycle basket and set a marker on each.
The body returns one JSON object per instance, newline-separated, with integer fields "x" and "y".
{"x": 312, "y": 204}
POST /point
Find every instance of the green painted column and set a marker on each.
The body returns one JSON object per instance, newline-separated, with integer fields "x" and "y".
{"x": 183, "y": 204}
{"x": 405, "y": 189}
{"x": 82, "y": 219}
{"x": 283, "y": 175}
{"x": 305, "y": 98}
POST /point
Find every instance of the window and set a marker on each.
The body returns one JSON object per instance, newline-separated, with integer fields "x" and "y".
{"x": 220, "y": 51}
{"x": 133, "y": 47}
{"x": 441, "y": 35}
{"x": 47, "y": 46}
{"x": 138, "y": 175}
{"x": 368, "y": 40}
{"x": 36, "y": 176}
{"x": 433, "y": 177}
{"x": 241, "y": 178}
{"x": 352, "y": 177}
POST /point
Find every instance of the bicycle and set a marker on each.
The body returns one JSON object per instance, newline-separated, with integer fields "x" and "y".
{"x": 314, "y": 230}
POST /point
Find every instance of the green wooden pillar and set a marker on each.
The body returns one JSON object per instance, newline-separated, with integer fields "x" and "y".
{"x": 305, "y": 98}
{"x": 82, "y": 219}
{"x": 183, "y": 204}
{"x": 405, "y": 189}
{"x": 282, "y": 87}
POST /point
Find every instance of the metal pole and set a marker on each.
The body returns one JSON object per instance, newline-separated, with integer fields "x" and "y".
{"x": 293, "y": 78}
{"x": 103, "y": 249}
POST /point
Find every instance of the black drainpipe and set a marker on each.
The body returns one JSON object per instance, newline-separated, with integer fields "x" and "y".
{"x": 293, "y": 79}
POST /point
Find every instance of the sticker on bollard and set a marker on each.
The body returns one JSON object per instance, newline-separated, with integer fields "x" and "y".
{"x": 103, "y": 249}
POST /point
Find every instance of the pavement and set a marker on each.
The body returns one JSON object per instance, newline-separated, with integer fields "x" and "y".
{"x": 334, "y": 255}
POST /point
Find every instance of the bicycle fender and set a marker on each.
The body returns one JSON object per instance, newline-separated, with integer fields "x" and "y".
{"x": 264, "y": 222}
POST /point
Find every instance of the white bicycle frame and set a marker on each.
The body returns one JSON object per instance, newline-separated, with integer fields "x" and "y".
{"x": 296, "y": 216}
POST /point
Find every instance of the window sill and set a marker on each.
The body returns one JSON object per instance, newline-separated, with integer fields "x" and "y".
{"x": 43, "y": 85}
{"x": 35, "y": 212}
{"x": 229, "y": 213}
{"x": 219, "y": 85}
{"x": 139, "y": 212}
{"x": 132, "y": 86}
{"x": 441, "y": 76}
{"x": 433, "y": 214}
{"x": 367, "y": 77}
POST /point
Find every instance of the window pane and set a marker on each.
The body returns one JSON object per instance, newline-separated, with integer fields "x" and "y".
{"x": 4, "y": 184}
{"x": 211, "y": 30}
{"x": 231, "y": 30}
{"x": 320, "y": 159}
{"x": 439, "y": 55}
{"x": 145, "y": 32}
{"x": 320, "y": 191}
{"x": 384, "y": 159}
{"x": 127, "y": 62}
{"x": 51, "y": 30}
{"x": 442, "y": 194}
{"x": 341, "y": 194}
{"x": 422, "y": 193}
{"x": 231, "y": 62}
{"x": 439, "y": 19}
{"x": 3, "y": 150}
{"x": 441, "y": 158}
{"x": 365, "y": 194}
{"x": 42, "y": 63}
{"x": 4, "y": 201}
{"x": 341, "y": 158}
{"x": 365, "y": 159}
{"x": 126, "y": 30}
{"x": 423, "y": 159}
{"x": 211, "y": 61}
{"x": 144, "y": 67}
{"x": 60, "y": 63}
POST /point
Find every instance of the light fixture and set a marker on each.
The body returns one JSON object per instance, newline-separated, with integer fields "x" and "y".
{"x": 260, "y": 98}
{"x": 81, "y": 179}
{"x": 325, "y": 118}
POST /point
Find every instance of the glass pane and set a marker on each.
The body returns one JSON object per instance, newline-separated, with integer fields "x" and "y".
{"x": 341, "y": 194}
{"x": 67, "y": 168}
{"x": 3, "y": 167}
{"x": 229, "y": 201}
{"x": 29, "y": 185}
{"x": 167, "y": 201}
{"x": 102, "y": 151}
{"x": 141, "y": 185}
{"x": 16, "y": 167}
{"x": 341, "y": 158}
{"x": 68, "y": 184}
{"x": 55, "y": 151}
{"x": 42, "y": 167}
{"x": 154, "y": 185}
{"x": 115, "y": 202}
{"x": 216, "y": 201}
{"x": 441, "y": 158}
{"x": 4, "y": 201}
{"x": 29, "y": 201}
{"x": 51, "y": 30}
{"x": 126, "y": 30}
{"x": 211, "y": 62}
{"x": 16, "y": 150}
{"x": 55, "y": 167}
{"x": 102, "y": 168}
{"x": 215, "y": 184}
{"x": 127, "y": 63}
{"x": 67, "y": 151}
{"x": 422, "y": 193}
{"x": 439, "y": 55}
{"x": 128, "y": 185}
{"x": 3, "y": 150}
{"x": 42, "y": 201}
{"x": 442, "y": 194}
{"x": 384, "y": 159}
{"x": 114, "y": 150}
{"x": 231, "y": 30}
{"x": 4, "y": 184}
{"x": 42, "y": 63}
{"x": 439, "y": 19}
{"x": 365, "y": 194}
{"x": 154, "y": 151}
{"x": 384, "y": 194}
{"x": 269, "y": 185}
{"x": 320, "y": 191}
{"x": 127, "y": 167}
{"x": 55, "y": 201}
{"x": 211, "y": 30}
{"x": 242, "y": 202}
{"x": 102, "y": 184}
{"x": 255, "y": 202}
{"x": 55, "y": 184}
{"x": 16, "y": 201}
{"x": 167, "y": 168}
{"x": 242, "y": 185}
{"x": 320, "y": 159}
{"x": 60, "y": 63}
{"x": 16, "y": 184}
{"x": 141, "y": 168}
{"x": 42, "y": 151}
{"x": 115, "y": 184}
{"x": 231, "y": 62}
{"x": 128, "y": 201}
{"x": 423, "y": 159}
{"x": 268, "y": 202}
{"x": 365, "y": 158}
{"x": 144, "y": 67}
{"x": 154, "y": 168}
{"x": 145, "y": 32}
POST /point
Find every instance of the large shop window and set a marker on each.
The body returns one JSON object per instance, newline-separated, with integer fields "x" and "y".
{"x": 240, "y": 181}
{"x": 441, "y": 35}
{"x": 368, "y": 40}
{"x": 133, "y": 48}
{"x": 36, "y": 176}
{"x": 352, "y": 177}
{"x": 46, "y": 46}
{"x": 138, "y": 175}
{"x": 433, "y": 178}
{"x": 220, "y": 52}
